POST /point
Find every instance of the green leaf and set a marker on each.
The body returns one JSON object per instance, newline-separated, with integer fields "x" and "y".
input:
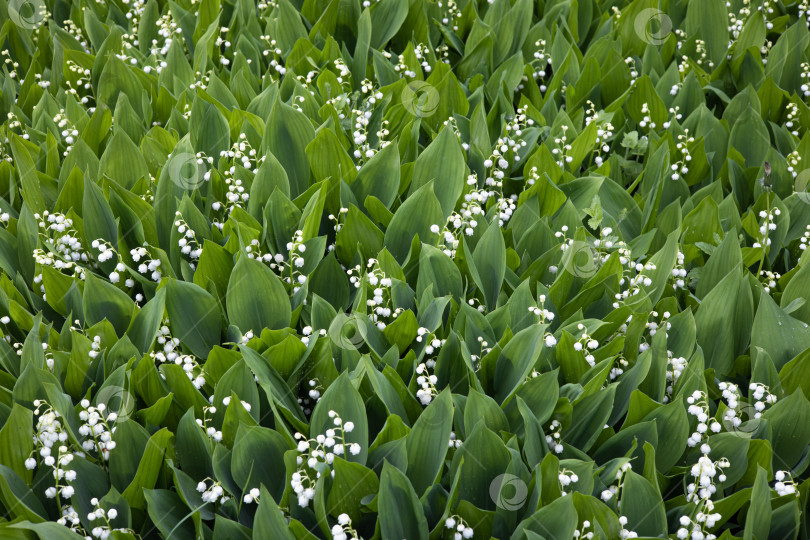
{"x": 779, "y": 334}
{"x": 414, "y": 218}
{"x": 168, "y": 513}
{"x": 401, "y": 515}
{"x": 344, "y": 399}
{"x": 642, "y": 505}
{"x": 102, "y": 300}
{"x": 379, "y": 176}
{"x": 287, "y": 135}
{"x": 252, "y": 449}
{"x": 194, "y": 316}
{"x": 148, "y": 470}
{"x": 426, "y": 444}
{"x": 99, "y": 223}
{"x": 256, "y": 299}
{"x": 758, "y": 519}
{"x": 489, "y": 258}
{"x": 442, "y": 162}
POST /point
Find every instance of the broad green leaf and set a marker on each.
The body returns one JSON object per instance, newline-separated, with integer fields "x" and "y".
{"x": 256, "y": 299}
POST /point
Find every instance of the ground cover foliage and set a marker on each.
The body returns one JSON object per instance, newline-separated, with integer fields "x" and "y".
{"x": 409, "y": 269}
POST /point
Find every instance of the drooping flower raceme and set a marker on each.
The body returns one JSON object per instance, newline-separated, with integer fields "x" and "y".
{"x": 316, "y": 455}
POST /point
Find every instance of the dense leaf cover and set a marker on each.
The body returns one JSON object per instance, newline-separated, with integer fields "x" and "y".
{"x": 420, "y": 269}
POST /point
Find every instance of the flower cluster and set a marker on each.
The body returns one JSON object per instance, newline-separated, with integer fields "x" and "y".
{"x": 462, "y": 528}
{"x": 803, "y": 241}
{"x": 680, "y": 168}
{"x": 427, "y": 383}
{"x": 793, "y": 118}
{"x": 313, "y": 396}
{"x": 241, "y": 155}
{"x": 653, "y": 326}
{"x": 546, "y": 315}
{"x": 213, "y": 433}
{"x": 769, "y": 279}
{"x": 737, "y": 20}
{"x": 317, "y": 455}
{"x": 604, "y": 133}
{"x": 381, "y": 301}
{"x": 561, "y": 146}
{"x": 64, "y": 250}
{"x": 679, "y": 272}
{"x": 106, "y": 251}
{"x": 98, "y": 426}
{"x": 586, "y": 343}
{"x": 759, "y": 395}
{"x": 700, "y": 492}
{"x": 252, "y": 496}
{"x": 505, "y": 154}
{"x": 554, "y": 437}
{"x": 675, "y": 368}
{"x": 51, "y": 440}
{"x": 289, "y": 268}
{"x": 806, "y": 75}
{"x": 699, "y": 408}
{"x": 188, "y": 243}
{"x": 634, "y": 277}
{"x": 213, "y": 493}
{"x": 421, "y": 52}
{"x": 147, "y": 264}
{"x": 433, "y": 344}
{"x": 67, "y": 130}
{"x": 361, "y": 112}
{"x": 646, "y": 120}
{"x": 227, "y": 401}
{"x": 463, "y": 222}
{"x": 343, "y": 530}
{"x": 784, "y": 484}
{"x": 306, "y": 331}
{"x": 583, "y": 533}
{"x": 105, "y": 529}
{"x": 613, "y": 490}
{"x": 339, "y": 222}
{"x": 618, "y": 368}
{"x": 169, "y": 344}
{"x": 485, "y": 350}
{"x": 768, "y": 224}
{"x": 566, "y": 478}
{"x": 276, "y": 63}
{"x": 631, "y": 64}
{"x": 541, "y": 61}
{"x": 673, "y": 111}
